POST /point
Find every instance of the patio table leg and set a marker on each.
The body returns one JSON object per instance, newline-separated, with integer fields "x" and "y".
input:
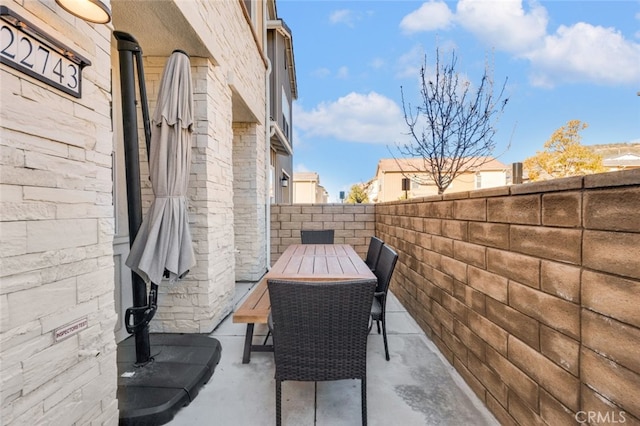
{"x": 248, "y": 338}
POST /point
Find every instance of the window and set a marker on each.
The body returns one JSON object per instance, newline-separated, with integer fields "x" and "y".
{"x": 478, "y": 180}
{"x": 251, "y": 10}
{"x": 285, "y": 113}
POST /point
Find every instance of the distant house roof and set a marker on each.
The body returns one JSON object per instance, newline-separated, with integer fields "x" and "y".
{"x": 626, "y": 160}
{"x": 614, "y": 150}
{"x": 618, "y": 155}
{"x": 417, "y": 164}
{"x": 306, "y": 176}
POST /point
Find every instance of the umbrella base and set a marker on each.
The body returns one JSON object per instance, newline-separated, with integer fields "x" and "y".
{"x": 182, "y": 364}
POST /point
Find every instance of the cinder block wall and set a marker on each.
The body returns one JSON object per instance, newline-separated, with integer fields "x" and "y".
{"x": 354, "y": 224}
{"x": 532, "y": 292}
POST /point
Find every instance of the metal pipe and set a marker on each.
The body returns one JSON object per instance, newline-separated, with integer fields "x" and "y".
{"x": 127, "y": 47}
{"x": 144, "y": 102}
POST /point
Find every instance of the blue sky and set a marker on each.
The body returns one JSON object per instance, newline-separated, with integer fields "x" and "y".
{"x": 564, "y": 60}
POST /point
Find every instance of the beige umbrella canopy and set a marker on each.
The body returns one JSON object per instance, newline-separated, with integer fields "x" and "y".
{"x": 163, "y": 243}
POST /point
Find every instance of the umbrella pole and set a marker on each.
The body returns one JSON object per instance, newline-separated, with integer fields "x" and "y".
{"x": 127, "y": 46}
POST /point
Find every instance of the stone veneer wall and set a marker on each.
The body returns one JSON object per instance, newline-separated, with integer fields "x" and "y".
{"x": 249, "y": 201}
{"x": 532, "y": 292}
{"x": 353, "y": 224}
{"x": 56, "y": 229}
{"x": 199, "y": 301}
{"x": 224, "y": 209}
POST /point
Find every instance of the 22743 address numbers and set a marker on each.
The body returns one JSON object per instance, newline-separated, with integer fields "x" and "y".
{"x": 54, "y": 65}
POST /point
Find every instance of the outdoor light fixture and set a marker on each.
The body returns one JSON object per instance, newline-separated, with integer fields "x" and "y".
{"x": 284, "y": 181}
{"x": 96, "y": 11}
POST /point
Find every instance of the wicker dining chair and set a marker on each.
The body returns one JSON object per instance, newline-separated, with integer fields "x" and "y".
{"x": 320, "y": 332}
{"x": 312, "y": 236}
{"x": 384, "y": 270}
{"x": 373, "y": 253}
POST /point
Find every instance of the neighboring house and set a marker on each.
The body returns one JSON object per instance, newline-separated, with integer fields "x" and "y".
{"x": 63, "y": 211}
{"x": 622, "y": 162}
{"x": 282, "y": 92}
{"x": 307, "y": 189}
{"x": 619, "y": 156}
{"x": 388, "y": 186}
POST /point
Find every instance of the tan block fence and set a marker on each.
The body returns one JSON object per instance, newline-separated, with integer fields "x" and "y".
{"x": 354, "y": 224}
{"x": 532, "y": 292}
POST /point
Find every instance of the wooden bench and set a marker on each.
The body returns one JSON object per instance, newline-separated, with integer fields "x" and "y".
{"x": 254, "y": 310}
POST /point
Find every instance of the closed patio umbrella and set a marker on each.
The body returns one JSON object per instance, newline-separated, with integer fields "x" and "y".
{"x": 163, "y": 245}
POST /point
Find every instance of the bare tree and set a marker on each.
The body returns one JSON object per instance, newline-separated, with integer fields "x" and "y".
{"x": 453, "y": 128}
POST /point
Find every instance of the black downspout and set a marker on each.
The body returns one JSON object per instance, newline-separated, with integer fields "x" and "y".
{"x": 127, "y": 47}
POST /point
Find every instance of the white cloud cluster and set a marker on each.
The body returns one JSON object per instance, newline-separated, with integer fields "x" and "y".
{"x": 356, "y": 117}
{"x": 504, "y": 25}
{"x": 583, "y": 52}
{"x": 347, "y": 17}
{"x": 580, "y": 52}
{"x": 342, "y": 16}
{"x": 409, "y": 63}
{"x": 433, "y": 15}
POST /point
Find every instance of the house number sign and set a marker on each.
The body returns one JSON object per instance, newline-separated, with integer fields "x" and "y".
{"x": 31, "y": 51}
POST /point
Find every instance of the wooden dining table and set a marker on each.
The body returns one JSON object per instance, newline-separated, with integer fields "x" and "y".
{"x": 320, "y": 262}
{"x": 299, "y": 262}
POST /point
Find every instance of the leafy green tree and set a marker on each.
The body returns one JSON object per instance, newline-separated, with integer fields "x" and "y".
{"x": 454, "y": 124}
{"x": 357, "y": 195}
{"x": 564, "y": 155}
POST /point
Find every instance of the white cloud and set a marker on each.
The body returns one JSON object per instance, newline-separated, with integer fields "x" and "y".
{"x": 409, "y": 64}
{"x": 377, "y": 63}
{"x": 505, "y": 24}
{"x": 301, "y": 168}
{"x": 347, "y": 17}
{"x": 343, "y": 16}
{"x": 433, "y": 15}
{"x": 343, "y": 73}
{"x": 583, "y": 52}
{"x": 298, "y": 141}
{"x": 321, "y": 72}
{"x": 356, "y": 117}
{"x": 580, "y": 52}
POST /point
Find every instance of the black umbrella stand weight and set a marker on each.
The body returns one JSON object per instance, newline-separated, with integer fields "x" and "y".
{"x": 142, "y": 310}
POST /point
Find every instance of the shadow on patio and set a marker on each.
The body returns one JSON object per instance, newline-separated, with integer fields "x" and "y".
{"x": 416, "y": 387}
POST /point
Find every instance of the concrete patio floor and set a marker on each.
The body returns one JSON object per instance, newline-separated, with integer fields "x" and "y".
{"x": 416, "y": 387}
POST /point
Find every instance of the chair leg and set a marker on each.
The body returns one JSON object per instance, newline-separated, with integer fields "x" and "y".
{"x": 363, "y": 391}
{"x": 384, "y": 336}
{"x": 378, "y": 324}
{"x": 278, "y": 402}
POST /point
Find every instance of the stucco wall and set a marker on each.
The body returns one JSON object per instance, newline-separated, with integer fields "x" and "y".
{"x": 56, "y": 250}
{"x": 530, "y": 291}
